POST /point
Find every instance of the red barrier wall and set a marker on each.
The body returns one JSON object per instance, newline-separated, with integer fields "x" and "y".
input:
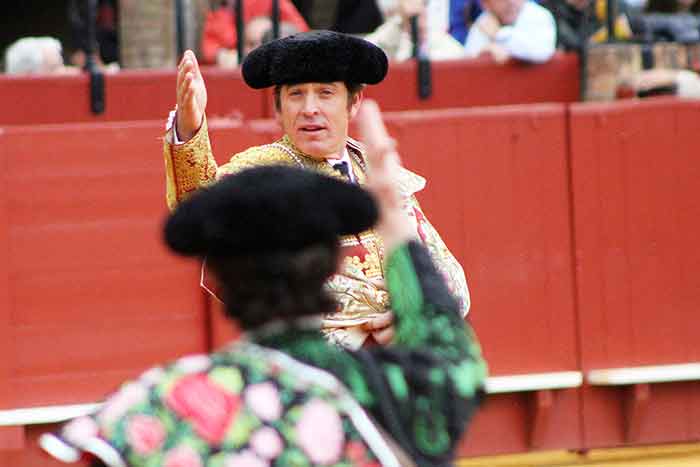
{"x": 480, "y": 82}
{"x": 85, "y": 277}
{"x": 129, "y": 95}
{"x": 551, "y": 209}
{"x": 150, "y": 95}
{"x": 637, "y": 204}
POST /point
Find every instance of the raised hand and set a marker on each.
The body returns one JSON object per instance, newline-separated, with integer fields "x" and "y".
{"x": 191, "y": 97}
{"x": 384, "y": 163}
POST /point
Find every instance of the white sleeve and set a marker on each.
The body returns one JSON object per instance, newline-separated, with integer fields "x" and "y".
{"x": 171, "y": 124}
{"x": 477, "y": 41}
{"x": 533, "y": 37}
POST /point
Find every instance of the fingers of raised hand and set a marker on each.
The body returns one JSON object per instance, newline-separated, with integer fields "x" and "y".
{"x": 379, "y": 322}
{"x": 375, "y": 136}
{"x": 185, "y": 86}
{"x": 385, "y": 336}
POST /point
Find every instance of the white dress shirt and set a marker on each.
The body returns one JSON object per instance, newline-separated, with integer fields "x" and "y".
{"x": 532, "y": 37}
{"x": 346, "y": 159}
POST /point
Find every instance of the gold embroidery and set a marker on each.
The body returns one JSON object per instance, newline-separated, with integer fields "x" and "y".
{"x": 370, "y": 267}
{"x": 359, "y": 288}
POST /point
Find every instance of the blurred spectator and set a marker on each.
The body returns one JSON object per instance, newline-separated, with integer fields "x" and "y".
{"x": 635, "y": 7}
{"x": 36, "y": 55}
{"x": 348, "y": 16}
{"x": 673, "y": 6}
{"x": 512, "y": 29}
{"x": 463, "y": 13}
{"x": 219, "y": 39}
{"x": 257, "y": 31}
{"x": 394, "y": 36}
{"x": 580, "y": 21}
{"x": 106, "y": 30}
{"x": 662, "y": 82}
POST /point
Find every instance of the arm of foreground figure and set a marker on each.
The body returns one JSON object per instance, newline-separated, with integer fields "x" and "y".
{"x": 427, "y": 382}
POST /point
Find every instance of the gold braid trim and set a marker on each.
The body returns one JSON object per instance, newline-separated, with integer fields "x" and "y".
{"x": 188, "y": 166}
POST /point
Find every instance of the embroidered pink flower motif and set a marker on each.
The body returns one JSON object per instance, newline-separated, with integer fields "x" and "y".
{"x": 80, "y": 430}
{"x": 355, "y": 451}
{"x": 182, "y": 456}
{"x": 320, "y": 432}
{"x": 118, "y": 404}
{"x": 245, "y": 458}
{"x": 206, "y": 405}
{"x": 266, "y": 442}
{"x": 145, "y": 434}
{"x": 264, "y": 400}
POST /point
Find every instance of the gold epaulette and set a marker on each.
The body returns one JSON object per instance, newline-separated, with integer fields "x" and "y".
{"x": 255, "y": 156}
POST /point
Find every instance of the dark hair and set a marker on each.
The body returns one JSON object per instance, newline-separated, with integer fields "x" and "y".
{"x": 353, "y": 90}
{"x": 278, "y": 285}
{"x": 669, "y": 6}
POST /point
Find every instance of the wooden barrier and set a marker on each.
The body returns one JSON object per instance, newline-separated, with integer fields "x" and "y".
{"x": 480, "y": 82}
{"x": 86, "y": 277}
{"x": 637, "y": 213}
{"x": 129, "y": 95}
{"x": 150, "y": 95}
{"x": 575, "y": 226}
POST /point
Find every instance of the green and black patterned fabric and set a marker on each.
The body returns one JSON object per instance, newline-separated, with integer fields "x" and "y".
{"x": 284, "y": 396}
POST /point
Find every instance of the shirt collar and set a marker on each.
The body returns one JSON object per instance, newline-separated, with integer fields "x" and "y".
{"x": 345, "y": 158}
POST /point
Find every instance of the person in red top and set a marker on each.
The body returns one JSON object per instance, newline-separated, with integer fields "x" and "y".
{"x": 220, "y": 26}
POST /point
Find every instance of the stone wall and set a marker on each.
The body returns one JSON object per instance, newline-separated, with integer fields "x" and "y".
{"x": 148, "y": 31}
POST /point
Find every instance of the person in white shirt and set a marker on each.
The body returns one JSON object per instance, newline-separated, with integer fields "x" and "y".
{"x": 508, "y": 29}
{"x": 394, "y": 36}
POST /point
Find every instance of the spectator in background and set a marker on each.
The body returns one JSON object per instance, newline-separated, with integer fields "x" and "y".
{"x": 348, "y": 16}
{"x": 394, "y": 36}
{"x": 107, "y": 47}
{"x": 580, "y": 21}
{"x": 463, "y": 13}
{"x": 36, "y": 55}
{"x": 512, "y": 29}
{"x": 661, "y": 82}
{"x": 257, "y": 31}
{"x": 219, "y": 39}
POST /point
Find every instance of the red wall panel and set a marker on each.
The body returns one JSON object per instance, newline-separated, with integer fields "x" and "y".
{"x": 480, "y": 82}
{"x": 637, "y": 214}
{"x": 150, "y": 94}
{"x": 88, "y": 277}
{"x": 498, "y": 193}
{"x": 129, "y": 95}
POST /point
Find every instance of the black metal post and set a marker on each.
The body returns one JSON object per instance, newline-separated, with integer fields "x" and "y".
{"x": 240, "y": 31}
{"x": 424, "y": 72}
{"x": 275, "y": 19}
{"x": 611, "y": 14}
{"x": 180, "y": 27}
{"x": 583, "y": 56}
{"x": 97, "y": 84}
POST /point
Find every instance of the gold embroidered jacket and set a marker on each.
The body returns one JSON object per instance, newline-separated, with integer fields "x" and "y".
{"x": 359, "y": 286}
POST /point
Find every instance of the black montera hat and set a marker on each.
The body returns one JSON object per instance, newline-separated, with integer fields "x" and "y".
{"x": 316, "y": 56}
{"x": 268, "y": 209}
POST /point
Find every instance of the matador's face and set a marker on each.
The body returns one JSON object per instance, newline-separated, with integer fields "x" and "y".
{"x": 316, "y": 116}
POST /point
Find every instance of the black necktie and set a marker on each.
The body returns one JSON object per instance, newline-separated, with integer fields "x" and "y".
{"x": 342, "y": 167}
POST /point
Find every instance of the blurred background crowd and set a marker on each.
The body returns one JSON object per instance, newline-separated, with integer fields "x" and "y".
{"x": 52, "y": 37}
